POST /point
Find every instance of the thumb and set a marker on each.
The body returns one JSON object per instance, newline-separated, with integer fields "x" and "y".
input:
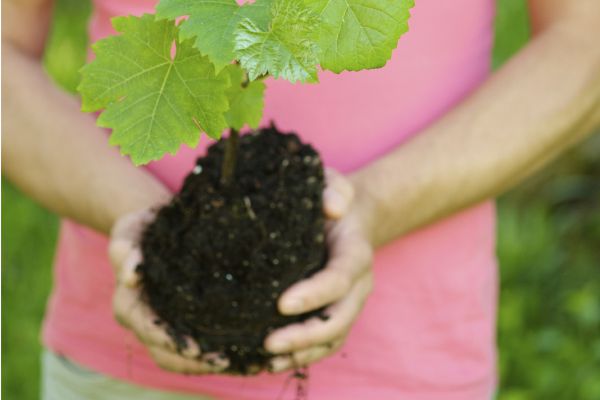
{"x": 338, "y": 194}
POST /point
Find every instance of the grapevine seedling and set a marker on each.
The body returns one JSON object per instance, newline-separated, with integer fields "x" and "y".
{"x": 199, "y": 65}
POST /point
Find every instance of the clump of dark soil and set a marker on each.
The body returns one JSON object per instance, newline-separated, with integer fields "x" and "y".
{"x": 217, "y": 258}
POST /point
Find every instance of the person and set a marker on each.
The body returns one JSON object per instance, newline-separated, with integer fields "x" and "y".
{"x": 422, "y": 145}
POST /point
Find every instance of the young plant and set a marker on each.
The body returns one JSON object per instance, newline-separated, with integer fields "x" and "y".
{"x": 219, "y": 255}
{"x": 161, "y": 82}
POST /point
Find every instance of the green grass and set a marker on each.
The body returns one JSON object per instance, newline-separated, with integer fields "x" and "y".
{"x": 549, "y": 318}
{"x": 512, "y": 29}
{"x": 548, "y": 236}
{"x": 28, "y": 245}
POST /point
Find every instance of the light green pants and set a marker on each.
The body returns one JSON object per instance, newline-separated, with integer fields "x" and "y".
{"x": 64, "y": 380}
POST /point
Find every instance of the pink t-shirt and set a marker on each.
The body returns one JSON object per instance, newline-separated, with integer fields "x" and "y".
{"x": 427, "y": 330}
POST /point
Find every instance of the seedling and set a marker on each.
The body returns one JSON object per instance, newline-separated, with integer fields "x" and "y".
{"x": 160, "y": 82}
{"x": 235, "y": 237}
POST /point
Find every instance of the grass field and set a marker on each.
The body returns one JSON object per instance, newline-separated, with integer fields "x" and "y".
{"x": 548, "y": 245}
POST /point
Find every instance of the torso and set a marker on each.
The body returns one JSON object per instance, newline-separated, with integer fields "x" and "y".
{"x": 427, "y": 331}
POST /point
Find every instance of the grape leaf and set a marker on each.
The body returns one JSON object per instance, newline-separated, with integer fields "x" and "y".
{"x": 212, "y": 23}
{"x": 246, "y": 100}
{"x": 287, "y": 49}
{"x": 153, "y": 102}
{"x": 359, "y": 34}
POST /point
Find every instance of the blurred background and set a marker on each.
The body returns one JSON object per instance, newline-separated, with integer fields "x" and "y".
{"x": 548, "y": 245}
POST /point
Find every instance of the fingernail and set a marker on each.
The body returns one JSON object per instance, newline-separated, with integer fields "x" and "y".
{"x": 279, "y": 364}
{"x": 216, "y": 362}
{"x": 278, "y": 346}
{"x": 293, "y": 305}
{"x": 191, "y": 350}
{"x": 129, "y": 275}
{"x": 335, "y": 203}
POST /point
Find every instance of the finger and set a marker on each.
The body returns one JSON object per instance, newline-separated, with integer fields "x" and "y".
{"x": 118, "y": 250}
{"x": 216, "y": 360}
{"x": 135, "y": 315}
{"x": 176, "y": 363}
{"x": 338, "y": 194}
{"x": 304, "y": 357}
{"x": 350, "y": 259}
{"x": 250, "y": 371}
{"x": 125, "y": 235}
{"x": 316, "y": 331}
{"x": 128, "y": 274}
{"x": 281, "y": 363}
{"x": 131, "y": 226}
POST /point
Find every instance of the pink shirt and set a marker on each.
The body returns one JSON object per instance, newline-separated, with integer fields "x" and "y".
{"x": 427, "y": 330}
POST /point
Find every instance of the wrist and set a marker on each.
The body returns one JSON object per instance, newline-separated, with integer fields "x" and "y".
{"x": 364, "y": 208}
{"x": 149, "y": 193}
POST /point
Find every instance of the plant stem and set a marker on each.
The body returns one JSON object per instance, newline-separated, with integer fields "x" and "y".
{"x": 230, "y": 157}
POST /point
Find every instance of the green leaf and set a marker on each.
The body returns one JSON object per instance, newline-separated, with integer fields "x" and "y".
{"x": 286, "y": 49}
{"x": 246, "y": 100}
{"x": 359, "y": 34}
{"x": 152, "y": 101}
{"x": 212, "y": 23}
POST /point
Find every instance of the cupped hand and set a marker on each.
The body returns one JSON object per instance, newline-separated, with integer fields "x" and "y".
{"x": 343, "y": 285}
{"x": 133, "y": 313}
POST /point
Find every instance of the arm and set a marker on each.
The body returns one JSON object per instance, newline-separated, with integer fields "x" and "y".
{"x": 540, "y": 103}
{"x": 52, "y": 151}
{"x": 543, "y": 101}
{"x": 58, "y": 156}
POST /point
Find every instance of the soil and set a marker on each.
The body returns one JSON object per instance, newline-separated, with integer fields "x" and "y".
{"x": 217, "y": 258}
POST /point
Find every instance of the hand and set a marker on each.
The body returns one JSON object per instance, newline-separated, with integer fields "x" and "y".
{"x": 134, "y": 314}
{"x": 344, "y": 284}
